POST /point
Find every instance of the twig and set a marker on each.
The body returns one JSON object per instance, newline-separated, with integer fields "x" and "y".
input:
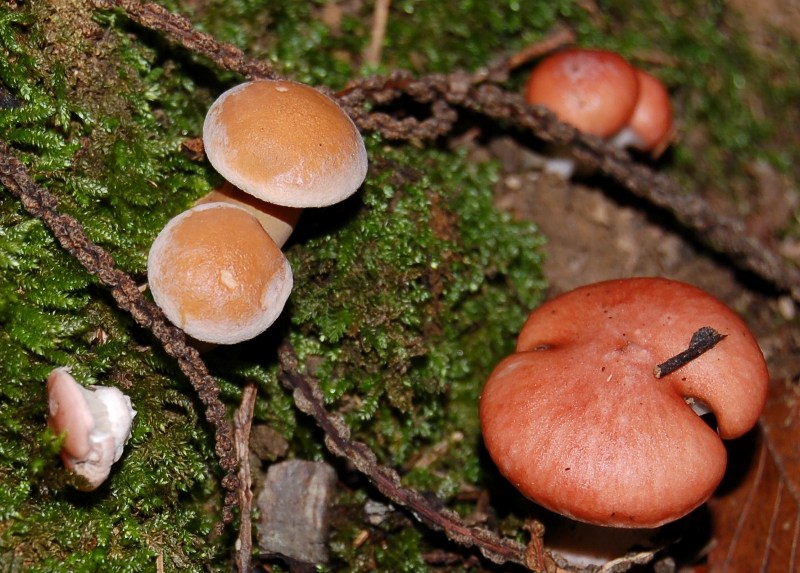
{"x": 380, "y": 18}
{"x": 180, "y": 30}
{"x": 71, "y": 236}
{"x": 308, "y": 399}
{"x": 242, "y": 420}
{"x": 499, "y": 72}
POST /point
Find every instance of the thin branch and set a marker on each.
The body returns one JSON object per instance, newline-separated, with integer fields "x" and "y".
{"x": 308, "y": 399}
{"x": 181, "y": 31}
{"x": 380, "y": 18}
{"x": 71, "y": 236}
{"x": 242, "y": 421}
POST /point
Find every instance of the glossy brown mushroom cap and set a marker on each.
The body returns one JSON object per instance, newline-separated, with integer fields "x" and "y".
{"x": 577, "y": 421}
{"x": 285, "y": 143}
{"x": 592, "y": 90}
{"x": 217, "y": 274}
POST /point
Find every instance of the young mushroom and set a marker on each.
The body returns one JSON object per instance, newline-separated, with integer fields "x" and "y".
{"x": 578, "y": 421}
{"x": 285, "y": 143}
{"x": 595, "y": 91}
{"x": 649, "y": 128}
{"x": 95, "y": 421}
{"x": 217, "y": 274}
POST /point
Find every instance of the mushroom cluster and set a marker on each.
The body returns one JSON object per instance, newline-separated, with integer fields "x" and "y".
{"x": 592, "y": 416}
{"x": 217, "y": 270}
{"x": 95, "y": 422}
{"x": 601, "y": 93}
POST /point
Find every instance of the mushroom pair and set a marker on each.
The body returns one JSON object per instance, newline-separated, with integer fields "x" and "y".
{"x": 601, "y": 93}
{"x": 217, "y": 270}
{"x": 95, "y": 422}
{"x": 591, "y": 417}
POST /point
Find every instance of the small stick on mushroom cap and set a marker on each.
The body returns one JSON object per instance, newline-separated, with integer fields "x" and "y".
{"x": 286, "y": 143}
{"x": 96, "y": 423}
{"x": 577, "y": 422}
{"x": 218, "y": 275}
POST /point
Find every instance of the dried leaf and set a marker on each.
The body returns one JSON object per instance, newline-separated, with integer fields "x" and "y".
{"x": 757, "y": 520}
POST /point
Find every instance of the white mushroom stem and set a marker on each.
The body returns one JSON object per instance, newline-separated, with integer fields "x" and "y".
{"x": 95, "y": 422}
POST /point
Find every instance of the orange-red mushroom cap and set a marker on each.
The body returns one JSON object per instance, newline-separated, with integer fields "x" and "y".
{"x": 592, "y": 90}
{"x": 577, "y": 421}
{"x": 286, "y": 143}
{"x": 650, "y": 126}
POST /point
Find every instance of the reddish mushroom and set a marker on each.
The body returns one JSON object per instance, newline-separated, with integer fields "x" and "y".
{"x": 95, "y": 421}
{"x": 578, "y": 422}
{"x": 650, "y": 127}
{"x": 592, "y": 90}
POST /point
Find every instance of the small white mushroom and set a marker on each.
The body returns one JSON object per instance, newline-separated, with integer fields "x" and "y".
{"x": 96, "y": 422}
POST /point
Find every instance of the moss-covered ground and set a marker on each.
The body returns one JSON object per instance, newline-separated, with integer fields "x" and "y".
{"x": 406, "y": 294}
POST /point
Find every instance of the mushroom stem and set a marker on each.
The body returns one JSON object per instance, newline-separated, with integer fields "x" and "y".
{"x": 702, "y": 341}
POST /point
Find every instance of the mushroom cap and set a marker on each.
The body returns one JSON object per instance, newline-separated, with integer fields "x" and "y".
{"x": 286, "y": 143}
{"x": 592, "y": 90}
{"x": 278, "y": 221}
{"x": 217, "y": 274}
{"x": 96, "y": 422}
{"x": 650, "y": 126}
{"x": 577, "y": 421}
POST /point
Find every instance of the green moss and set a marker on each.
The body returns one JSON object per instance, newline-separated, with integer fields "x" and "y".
{"x": 407, "y": 294}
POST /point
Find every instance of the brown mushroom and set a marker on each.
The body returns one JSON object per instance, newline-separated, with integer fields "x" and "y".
{"x": 578, "y": 422}
{"x": 286, "y": 143}
{"x": 218, "y": 275}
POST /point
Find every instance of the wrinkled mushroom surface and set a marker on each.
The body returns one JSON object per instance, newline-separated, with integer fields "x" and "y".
{"x": 577, "y": 421}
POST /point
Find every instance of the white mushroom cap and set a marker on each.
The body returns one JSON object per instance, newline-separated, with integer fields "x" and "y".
{"x": 285, "y": 143}
{"x": 96, "y": 421}
{"x": 217, "y": 274}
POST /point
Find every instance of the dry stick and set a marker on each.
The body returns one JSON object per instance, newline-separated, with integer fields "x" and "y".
{"x": 71, "y": 236}
{"x": 380, "y": 18}
{"x": 242, "y": 421}
{"x": 308, "y": 398}
{"x": 181, "y": 30}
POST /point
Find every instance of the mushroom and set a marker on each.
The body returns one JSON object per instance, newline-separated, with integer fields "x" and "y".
{"x": 278, "y": 221}
{"x": 577, "y": 420}
{"x": 592, "y": 90}
{"x": 650, "y": 126}
{"x": 95, "y": 421}
{"x": 595, "y": 91}
{"x": 285, "y": 143}
{"x": 217, "y": 274}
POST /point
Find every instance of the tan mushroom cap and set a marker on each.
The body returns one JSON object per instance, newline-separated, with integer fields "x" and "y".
{"x": 577, "y": 421}
{"x": 592, "y": 90}
{"x": 217, "y": 274}
{"x": 286, "y": 143}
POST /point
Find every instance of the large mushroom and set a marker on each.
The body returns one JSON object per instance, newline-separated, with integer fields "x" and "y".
{"x": 578, "y": 421}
